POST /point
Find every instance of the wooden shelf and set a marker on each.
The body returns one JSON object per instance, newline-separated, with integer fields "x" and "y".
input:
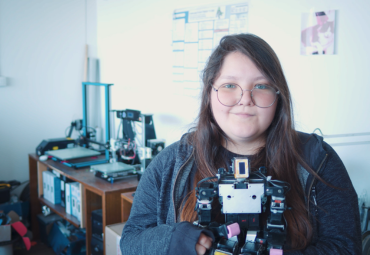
{"x": 126, "y": 203}
{"x": 98, "y": 194}
{"x": 128, "y": 197}
{"x": 61, "y": 211}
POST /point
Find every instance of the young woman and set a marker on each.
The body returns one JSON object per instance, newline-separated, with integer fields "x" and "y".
{"x": 245, "y": 111}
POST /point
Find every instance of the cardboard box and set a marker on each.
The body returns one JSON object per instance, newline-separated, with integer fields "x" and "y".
{"x": 6, "y": 237}
{"x": 5, "y": 233}
{"x": 112, "y": 238}
{"x": 6, "y": 244}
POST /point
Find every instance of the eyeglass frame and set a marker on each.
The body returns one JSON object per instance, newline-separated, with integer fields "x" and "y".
{"x": 251, "y": 94}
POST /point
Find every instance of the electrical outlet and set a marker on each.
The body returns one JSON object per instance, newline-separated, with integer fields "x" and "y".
{"x": 3, "y": 81}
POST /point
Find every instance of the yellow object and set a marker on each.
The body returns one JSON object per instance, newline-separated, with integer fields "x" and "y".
{"x": 55, "y": 147}
{"x": 241, "y": 168}
{"x": 218, "y": 252}
{"x": 4, "y": 185}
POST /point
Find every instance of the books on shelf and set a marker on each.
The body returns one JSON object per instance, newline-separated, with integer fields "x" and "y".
{"x": 58, "y": 189}
{"x": 51, "y": 187}
{"x": 79, "y": 205}
{"x": 68, "y": 197}
{"x": 63, "y": 181}
{"x": 74, "y": 201}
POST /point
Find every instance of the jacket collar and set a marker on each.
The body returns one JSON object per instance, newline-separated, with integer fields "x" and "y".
{"x": 314, "y": 155}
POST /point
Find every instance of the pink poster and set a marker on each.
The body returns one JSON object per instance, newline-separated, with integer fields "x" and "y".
{"x": 318, "y": 33}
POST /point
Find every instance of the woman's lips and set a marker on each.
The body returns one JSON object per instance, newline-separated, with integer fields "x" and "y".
{"x": 244, "y": 115}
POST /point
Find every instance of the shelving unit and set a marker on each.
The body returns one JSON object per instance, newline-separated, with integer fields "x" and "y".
{"x": 98, "y": 194}
{"x": 126, "y": 203}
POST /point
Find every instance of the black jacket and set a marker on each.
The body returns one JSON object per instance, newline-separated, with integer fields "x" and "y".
{"x": 153, "y": 226}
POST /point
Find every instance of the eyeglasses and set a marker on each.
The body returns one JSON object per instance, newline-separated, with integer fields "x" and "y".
{"x": 262, "y": 95}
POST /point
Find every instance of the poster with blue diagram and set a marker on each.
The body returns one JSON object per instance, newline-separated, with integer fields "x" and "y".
{"x": 196, "y": 32}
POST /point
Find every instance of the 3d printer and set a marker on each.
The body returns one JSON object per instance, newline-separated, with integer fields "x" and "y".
{"x": 148, "y": 147}
{"x": 133, "y": 148}
{"x": 123, "y": 156}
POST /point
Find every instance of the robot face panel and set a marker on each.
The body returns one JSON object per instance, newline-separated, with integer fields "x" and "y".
{"x": 241, "y": 200}
{"x": 241, "y": 168}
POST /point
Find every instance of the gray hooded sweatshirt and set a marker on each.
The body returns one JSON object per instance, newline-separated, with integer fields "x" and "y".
{"x": 154, "y": 227}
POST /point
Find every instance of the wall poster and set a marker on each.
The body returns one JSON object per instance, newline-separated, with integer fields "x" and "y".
{"x": 196, "y": 32}
{"x": 318, "y": 32}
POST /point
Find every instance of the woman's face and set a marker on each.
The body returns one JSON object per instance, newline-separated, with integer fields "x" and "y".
{"x": 245, "y": 123}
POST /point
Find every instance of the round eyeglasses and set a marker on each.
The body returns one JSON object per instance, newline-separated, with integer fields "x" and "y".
{"x": 262, "y": 95}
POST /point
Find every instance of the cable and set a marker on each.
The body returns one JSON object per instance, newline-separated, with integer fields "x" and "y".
{"x": 275, "y": 183}
{"x": 318, "y": 129}
{"x": 129, "y": 147}
{"x": 65, "y": 131}
{"x": 205, "y": 179}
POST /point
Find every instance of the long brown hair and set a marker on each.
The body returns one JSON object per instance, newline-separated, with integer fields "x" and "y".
{"x": 281, "y": 153}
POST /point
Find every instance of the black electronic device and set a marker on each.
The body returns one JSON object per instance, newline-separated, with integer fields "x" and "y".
{"x": 243, "y": 196}
{"x": 5, "y": 189}
{"x": 97, "y": 224}
{"x": 127, "y": 131}
{"x": 129, "y": 114}
{"x": 54, "y": 144}
{"x": 97, "y": 246}
{"x": 45, "y": 225}
{"x": 149, "y": 128}
{"x": 117, "y": 175}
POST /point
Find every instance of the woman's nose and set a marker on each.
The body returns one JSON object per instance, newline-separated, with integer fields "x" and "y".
{"x": 246, "y": 98}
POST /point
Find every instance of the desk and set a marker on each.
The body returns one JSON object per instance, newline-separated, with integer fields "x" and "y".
{"x": 98, "y": 194}
{"x": 126, "y": 204}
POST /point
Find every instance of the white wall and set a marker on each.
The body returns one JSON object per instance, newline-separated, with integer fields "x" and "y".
{"x": 42, "y": 50}
{"x": 42, "y": 45}
{"x": 329, "y": 92}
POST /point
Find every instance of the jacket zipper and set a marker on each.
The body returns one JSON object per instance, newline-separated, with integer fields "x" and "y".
{"x": 174, "y": 185}
{"x": 314, "y": 197}
{"x": 313, "y": 188}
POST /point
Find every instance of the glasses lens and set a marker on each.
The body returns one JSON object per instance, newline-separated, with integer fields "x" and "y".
{"x": 229, "y": 94}
{"x": 264, "y": 95}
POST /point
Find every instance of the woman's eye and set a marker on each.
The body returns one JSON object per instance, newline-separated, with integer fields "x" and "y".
{"x": 229, "y": 86}
{"x": 261, "y": 86}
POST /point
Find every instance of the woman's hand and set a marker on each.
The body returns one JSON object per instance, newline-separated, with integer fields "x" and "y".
{"x": 204, "y": 243}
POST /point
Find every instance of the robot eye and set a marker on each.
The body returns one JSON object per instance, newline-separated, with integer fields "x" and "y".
{"x": 241, "y": 168}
